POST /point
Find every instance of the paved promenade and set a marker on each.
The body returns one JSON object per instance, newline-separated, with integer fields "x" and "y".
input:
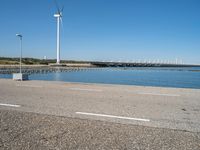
{"x": 50, "y": 115}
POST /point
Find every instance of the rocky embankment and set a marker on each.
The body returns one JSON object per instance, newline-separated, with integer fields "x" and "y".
{"x": 30, "y": 69}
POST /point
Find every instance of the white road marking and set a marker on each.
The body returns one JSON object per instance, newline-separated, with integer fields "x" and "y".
{"x": 111, "y": 116}
{"x": 9, "y": 105}
{"x": 158, "y": 94}
{"x": 82, "y": 89}
{"x": 34, "y": 86}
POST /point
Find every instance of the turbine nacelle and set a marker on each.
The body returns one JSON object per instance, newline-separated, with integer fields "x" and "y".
{"x": 57, "y": 15}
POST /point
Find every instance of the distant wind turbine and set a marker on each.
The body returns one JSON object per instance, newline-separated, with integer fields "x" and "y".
{"x": 58, "y": 15}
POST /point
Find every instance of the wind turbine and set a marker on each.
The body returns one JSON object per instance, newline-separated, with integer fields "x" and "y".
{"x": 58, "y": 15}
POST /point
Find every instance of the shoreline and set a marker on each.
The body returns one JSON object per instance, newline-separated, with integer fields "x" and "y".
{"x": 105, "y": 84}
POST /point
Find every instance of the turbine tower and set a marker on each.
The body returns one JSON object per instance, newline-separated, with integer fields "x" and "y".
{"x": 58, "y": 15}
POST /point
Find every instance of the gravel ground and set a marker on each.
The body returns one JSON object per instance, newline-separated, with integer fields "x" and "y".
{"x": 22, "y": 130}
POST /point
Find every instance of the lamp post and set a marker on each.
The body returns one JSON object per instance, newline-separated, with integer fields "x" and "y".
{"x": 20, "y": 37}
{"x": 20, "y": 76}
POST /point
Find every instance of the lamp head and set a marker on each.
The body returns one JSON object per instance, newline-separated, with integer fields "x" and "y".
{"x": 19, "y": 35}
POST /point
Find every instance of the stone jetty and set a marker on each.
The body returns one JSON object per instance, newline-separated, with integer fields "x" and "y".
{"x": 33, "y": 69}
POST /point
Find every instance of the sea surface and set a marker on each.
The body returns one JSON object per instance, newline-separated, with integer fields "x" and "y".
{"x": 186, "y": 77}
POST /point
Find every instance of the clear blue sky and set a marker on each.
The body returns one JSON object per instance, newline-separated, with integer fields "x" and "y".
{"x": 103, "y": 29}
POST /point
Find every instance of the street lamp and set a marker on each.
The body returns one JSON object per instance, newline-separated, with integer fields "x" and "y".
{"x": 20, "y": 76}
{"x": 20, "y": 37}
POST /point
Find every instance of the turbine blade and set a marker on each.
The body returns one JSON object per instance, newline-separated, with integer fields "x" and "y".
{"x": 62, "y": 9}
{"x": 61, "y": 22}
{"x": 58, "y": 9}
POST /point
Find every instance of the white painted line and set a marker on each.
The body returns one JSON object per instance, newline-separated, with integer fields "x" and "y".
{"x": 9, "y": 105}
{"x": 111, "y": 116}
{"x": 34, "y": 86}
{"x": 159, "y": 94}
{"x": 82, "y": 89}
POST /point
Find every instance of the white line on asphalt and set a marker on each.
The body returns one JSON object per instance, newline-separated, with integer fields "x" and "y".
{"x": 9, "y": 105}
{"x": 34, "y": 86}
{"x": 159, "y": 94}
{"x": 111, "y": 116}
{"x": 82, "y": 89}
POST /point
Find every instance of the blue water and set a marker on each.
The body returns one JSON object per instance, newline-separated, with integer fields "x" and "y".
{"x": 162, "y": 77}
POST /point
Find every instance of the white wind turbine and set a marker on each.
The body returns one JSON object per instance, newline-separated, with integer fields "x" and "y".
{"x": 58, "y": 15}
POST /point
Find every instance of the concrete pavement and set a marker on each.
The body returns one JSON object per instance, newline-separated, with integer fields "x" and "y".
{"x": 31, "y": 131}
{"x": 164, "y": 109}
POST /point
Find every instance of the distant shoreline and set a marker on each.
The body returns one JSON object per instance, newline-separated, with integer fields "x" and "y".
{"x": 43, "y": 69}
{"x": 34, "y": 62}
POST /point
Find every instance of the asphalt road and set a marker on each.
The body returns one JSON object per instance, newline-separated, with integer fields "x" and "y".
{"x": 58, "y": 115}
